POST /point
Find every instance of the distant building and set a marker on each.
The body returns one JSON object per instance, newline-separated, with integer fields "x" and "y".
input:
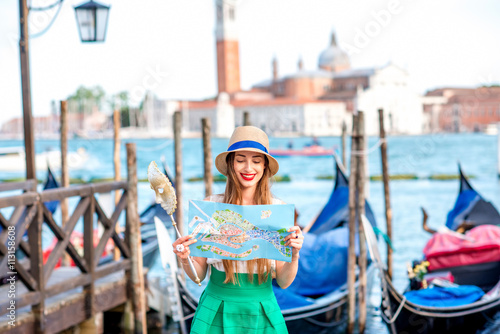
{"x": 49, "y": 126}
{"x": 360, "y": 89}
{"x": 461, "y": 109}
{"x": 307, "y": 102}
{"x": 277, "y": 117}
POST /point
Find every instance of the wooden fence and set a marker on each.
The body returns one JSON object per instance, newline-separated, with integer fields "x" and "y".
{"x": 30, "y": 214}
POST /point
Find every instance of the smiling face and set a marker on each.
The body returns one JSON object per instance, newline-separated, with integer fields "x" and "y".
{"x": 249, "y": 167}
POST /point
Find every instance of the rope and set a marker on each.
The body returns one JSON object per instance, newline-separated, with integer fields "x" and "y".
{"x": 155, "y": 148}
{"x": 385, "y": 236}
{"x": 41, "y": 9}
{"x": 40, "y": 33}
{"x": 325, "y": 324}
{"x": 371, "y": 149}
{"x": 398, "y": 311}
{"x": 316, "y": 312}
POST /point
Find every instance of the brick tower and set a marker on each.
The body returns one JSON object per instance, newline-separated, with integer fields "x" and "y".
{"x": 228, "y": 55}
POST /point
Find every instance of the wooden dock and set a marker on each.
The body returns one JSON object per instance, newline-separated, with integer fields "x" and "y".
{"x": 45, "y": 299}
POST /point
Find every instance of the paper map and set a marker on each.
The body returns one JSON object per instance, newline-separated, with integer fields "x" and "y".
{"x": 240, "y": 232}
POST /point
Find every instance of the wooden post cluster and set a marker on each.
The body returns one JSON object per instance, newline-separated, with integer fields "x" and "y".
{"x": 356, "y": 210}
{"x": 387, "y": 197}
{"x": 64, "y": 166}
{"x": 136, "y": 275}
{"x": 207, "y": 156}
{"x": 178, "y": 169}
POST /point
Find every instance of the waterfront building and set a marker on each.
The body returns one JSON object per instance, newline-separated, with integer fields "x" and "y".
{"x": 308, "y": 102}
{"x": 462, "y": 109}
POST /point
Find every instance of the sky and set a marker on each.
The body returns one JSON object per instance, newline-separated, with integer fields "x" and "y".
{"x": 168, "y": 46}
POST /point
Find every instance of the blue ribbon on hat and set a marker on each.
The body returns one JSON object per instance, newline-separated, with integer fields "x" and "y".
{"x": 247, "y": 144}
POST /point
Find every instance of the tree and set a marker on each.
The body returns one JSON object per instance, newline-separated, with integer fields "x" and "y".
{"x": 86, "y": 99}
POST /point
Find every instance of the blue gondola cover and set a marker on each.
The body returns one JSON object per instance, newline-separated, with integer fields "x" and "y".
{"x": 445, "y": 297}
{"x": 51, "y": 183}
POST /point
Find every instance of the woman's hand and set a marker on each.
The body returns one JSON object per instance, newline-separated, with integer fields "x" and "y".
{"x": 295, "y": 240}
{"x": 181, "y": 246}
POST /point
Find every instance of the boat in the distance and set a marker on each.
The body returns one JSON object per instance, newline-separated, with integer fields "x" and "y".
{"x": 455, "y": 287}
{"x": 309, "y": 151}
{"x": 13, "y": 159}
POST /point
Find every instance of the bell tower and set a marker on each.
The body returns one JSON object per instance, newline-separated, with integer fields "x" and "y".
{"x": 228, "y": 55}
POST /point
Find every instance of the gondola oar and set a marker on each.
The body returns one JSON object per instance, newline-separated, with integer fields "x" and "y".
{"x": 165, "y": 196}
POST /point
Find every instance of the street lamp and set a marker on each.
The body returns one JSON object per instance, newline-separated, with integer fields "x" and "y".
{"x": 92, "y": 19}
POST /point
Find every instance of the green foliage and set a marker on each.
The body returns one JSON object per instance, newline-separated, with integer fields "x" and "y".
{"x": 85, "y": 99}
{"x": 281, "y": 178}
{"x": 395, "y": 177}
{"x": 444, "y": 177}
{"x": 325, "y": 177}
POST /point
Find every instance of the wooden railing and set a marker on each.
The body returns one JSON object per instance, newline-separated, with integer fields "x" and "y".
{"x": 30, "y": 214}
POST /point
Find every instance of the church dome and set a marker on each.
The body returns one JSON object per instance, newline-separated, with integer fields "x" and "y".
{"x": 333, "y": 58}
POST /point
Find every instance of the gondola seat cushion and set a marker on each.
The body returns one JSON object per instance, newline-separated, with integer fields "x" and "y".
{"x": 445, "y": 297}
{"x": 481, "y": 245}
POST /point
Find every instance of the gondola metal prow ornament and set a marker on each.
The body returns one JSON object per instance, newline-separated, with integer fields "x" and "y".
{"x": 165, "y": 196}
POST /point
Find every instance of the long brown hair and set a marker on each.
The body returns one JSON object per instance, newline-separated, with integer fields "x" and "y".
{"x": 233, "y": 195}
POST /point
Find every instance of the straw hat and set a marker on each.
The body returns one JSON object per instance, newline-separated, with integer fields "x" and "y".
{"x": 247, "y": 138}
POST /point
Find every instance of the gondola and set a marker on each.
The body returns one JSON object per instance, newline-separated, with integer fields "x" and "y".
{"x": 460, "y": 289}
{"x": 317, "y": 300}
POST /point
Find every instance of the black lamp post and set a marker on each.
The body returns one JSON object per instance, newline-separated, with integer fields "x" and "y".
{"x": 92, "y": 20}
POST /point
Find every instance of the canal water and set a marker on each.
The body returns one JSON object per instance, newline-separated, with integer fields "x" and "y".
{"x": 422, "y": 156}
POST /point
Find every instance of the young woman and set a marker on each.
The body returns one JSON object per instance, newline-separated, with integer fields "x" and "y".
{"x": 239, "y": 297}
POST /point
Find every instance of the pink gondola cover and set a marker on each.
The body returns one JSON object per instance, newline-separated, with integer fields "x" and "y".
{"x": 445, "y": 250}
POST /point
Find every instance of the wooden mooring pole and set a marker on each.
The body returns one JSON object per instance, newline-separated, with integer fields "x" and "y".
{"x": 207, "y": 156}
{"x": 498, "y": 149}
{"x": 387, "y": 197}
{"x": 246, "y": 118}
{"x": 360, "y": 208}
{"x": 356, "y": 210}
{"x": 135, "y": 275}
{"x": 344, "y": 131}
{"x": 117, "y": 165}
{"x": 178, "y": 169}
{"x": 351, "y": 260}
{"x": 29, "y": 134}
{"x": 64, "y": 167}
{"x": 36, "y": 268}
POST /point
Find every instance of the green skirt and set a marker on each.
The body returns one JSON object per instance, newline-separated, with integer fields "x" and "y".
{"x": 245, "y": 308}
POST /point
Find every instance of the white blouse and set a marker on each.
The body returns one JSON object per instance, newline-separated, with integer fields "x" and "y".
{"x": 242, "y": 265}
